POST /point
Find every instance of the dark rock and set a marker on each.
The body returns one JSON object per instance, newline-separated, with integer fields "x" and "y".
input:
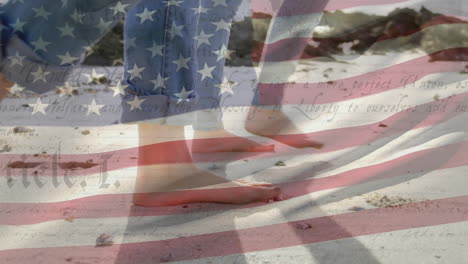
{"x": 280, "y": 163}
{"x": 303, "y": 226}
{"x": 356, "y": 209}
{"x": 5, "y": 148}
{"x": 104, "y": 240}
{"x": 18, "y": 130}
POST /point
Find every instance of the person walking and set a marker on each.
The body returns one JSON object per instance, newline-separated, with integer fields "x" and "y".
{"x": 43, "y": 40}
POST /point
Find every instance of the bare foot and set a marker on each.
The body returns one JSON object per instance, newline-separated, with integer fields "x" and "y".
{"x": 188, "y": 184}
{"x": 241, "y": 194}
{"x": 254, "y": 183}
{"x": 277, "y": 126}
{"x": 165, "y": 184}
{"x": 5, "y": 85}
{"x": 223, "y": 141}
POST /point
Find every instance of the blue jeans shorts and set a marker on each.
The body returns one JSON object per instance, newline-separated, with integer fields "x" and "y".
{"x": 174, "y": 51}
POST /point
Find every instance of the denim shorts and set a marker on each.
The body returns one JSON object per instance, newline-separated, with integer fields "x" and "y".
{"x": 174, "y": 51}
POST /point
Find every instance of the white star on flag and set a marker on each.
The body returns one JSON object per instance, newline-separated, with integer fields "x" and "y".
{"x": 40, "y": 44}
{"x": 41, "y": 12}
{"x": 66, "y": 89}
{"x": 136, "y": 72}
{"x": 181, "y": 62}
{"x": 156, "y": 49}
{"x": 40, "y": 75}
{"x": 103, "y": 25}
{"x": 67, "y": 59}
{"x": 176, "y": 30}
{"x": 16, "y": 60}
{"x": 183, "y": 95}
{"x": 93, "y": 76}
{"x": 118, "y": 8}
{"x": 39, "y": 107}
{"x": 94, "y": 108}
{"x": 89, "y": 50}
{"x": 18, "y": 25}
{"x": 226, "y": 86}
{"x": 223, "y": 53}
{"x": 146, "y": 15}
{"x": 203, "y": 38}
{"x": 118, "y": 89}
{"x": 136, "y": 103}
{"x": 206, "y": 71}
{"x": 66, "y": 31}
{"x": 77, "y": 17}
{"x": 159, "y": 82}
{"x": 15, "y": 89}
{"x": 222, "y": 24}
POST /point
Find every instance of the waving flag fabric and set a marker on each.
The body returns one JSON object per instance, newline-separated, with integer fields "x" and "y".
{"x": 382, "y": 84}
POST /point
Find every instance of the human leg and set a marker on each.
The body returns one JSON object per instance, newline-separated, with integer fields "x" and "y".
{"x": 167, "y": 176}
{"x": 275, "y": 124}
{"x": 163, "y": 72}
{"x": 160, "y": 63}
{"x": 215, "y": 21}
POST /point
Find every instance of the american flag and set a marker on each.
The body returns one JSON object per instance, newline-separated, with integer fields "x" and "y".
{"x": 385, "y": 95}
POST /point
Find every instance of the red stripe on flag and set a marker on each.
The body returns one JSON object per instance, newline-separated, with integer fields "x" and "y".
{"x": 118, "y": 205}
{"x": 419, "y": 116}
{"x": 367, "y": 222}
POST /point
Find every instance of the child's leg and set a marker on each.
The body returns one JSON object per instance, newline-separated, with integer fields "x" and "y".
{"x": 284, "y": 25}
{"x": 167, "y": 176}
{"x": 160, "y": 62}
{"x": 163, "y": 72}
{"x": 216, "y": 22}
